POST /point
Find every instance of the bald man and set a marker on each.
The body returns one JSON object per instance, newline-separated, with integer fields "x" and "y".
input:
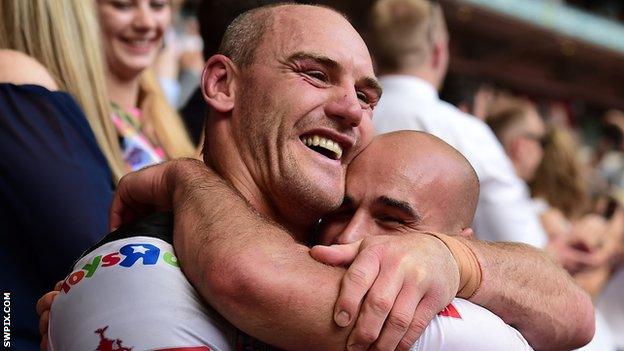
{"x": 413, "y": 180}
{"x": 405, "y": 179}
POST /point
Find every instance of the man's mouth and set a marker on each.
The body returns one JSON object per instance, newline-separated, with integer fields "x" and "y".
{"x": 324, "y": 146}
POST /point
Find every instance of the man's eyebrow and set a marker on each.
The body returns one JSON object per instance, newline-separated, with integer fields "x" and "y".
{"x": 402, "y": 206}
{"x": 322, "y": 59}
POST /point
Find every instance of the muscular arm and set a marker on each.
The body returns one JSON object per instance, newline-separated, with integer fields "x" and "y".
{"x": 263, "y": 281}
{"x": 528, "y": 291}
{"x": 253, "y": 272}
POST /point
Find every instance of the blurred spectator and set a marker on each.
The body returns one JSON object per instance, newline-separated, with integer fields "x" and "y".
{"x": 586, "y": 245}
{"x": 58, "y": 164}
{"x": 469, "y": 95}
{"x": 180, "y": 63}
{"x": 561, "y": 186}
{"x": 410, "y": 43}
{"x": 49, "y": 220}
{"x": 608, "y": 156}
{"x": 521, "y": 131}
{"x": 132, "y": 35}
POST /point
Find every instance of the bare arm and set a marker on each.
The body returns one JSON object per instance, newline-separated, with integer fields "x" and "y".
{"x": 529, "y": 291}
{"x": 255, "y": 274}
{"x": 266, "y": 284}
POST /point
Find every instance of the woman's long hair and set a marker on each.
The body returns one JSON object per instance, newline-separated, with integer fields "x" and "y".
{"x": 560, "y": 179}
{"x": 164, "y": 120}
{"x": 63, "y": 35}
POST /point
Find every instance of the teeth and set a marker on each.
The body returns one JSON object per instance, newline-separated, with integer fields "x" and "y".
{"x": 324, "y": 143}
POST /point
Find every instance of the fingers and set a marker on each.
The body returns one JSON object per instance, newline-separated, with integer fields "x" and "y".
{"x": 336, "y": 255}
{"x": 399, "y": 319}
{"x": 45, "y": 302}
{"x": 425, "y": 312}
{"x": 355, "y": 284}
{"x": 376, "y": 307}
{"x": 58, "y": 285}
{"x": 138, "y": 193}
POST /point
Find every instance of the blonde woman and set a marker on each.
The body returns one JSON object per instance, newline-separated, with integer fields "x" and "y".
{"x": 132, "y": 36}
{"x": 561, "y": 187}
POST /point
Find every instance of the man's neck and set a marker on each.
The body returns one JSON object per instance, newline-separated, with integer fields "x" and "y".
{"x": 231, "y": 167}
{"x": 418, "y": 72}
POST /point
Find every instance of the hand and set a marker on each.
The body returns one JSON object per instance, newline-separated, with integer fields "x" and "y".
{"x": 149, "y": 190}
{"x": 403, "y": 281}
{"x": 43, "y": 310}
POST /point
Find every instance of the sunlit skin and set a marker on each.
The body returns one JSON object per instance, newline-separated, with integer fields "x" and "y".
{"x": 132, "y": 33}
{"x": 404, "y": 180}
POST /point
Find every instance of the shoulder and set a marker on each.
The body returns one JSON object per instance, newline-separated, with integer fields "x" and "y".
{"x": 19, "y": 68}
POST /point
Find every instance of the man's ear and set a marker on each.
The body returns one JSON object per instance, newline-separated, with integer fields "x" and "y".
{"x": 218, "y": 83}
{"x": 467, "y": 233}
{"x": 439, "y": 55}
{"x": 515, "y": 149}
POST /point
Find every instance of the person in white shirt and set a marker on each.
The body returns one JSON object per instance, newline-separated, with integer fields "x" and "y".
{"x": 409, "y": 41}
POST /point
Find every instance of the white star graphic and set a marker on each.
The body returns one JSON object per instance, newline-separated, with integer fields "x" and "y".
{"x": 139, "y": 248}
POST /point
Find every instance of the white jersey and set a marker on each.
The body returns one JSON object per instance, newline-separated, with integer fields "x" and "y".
{"x": 129, "y": 293}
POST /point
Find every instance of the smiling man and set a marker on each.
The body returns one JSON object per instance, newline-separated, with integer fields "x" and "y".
{"x": 287, "y": 75}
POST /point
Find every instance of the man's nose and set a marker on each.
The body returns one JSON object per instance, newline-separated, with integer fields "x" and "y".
{"x": 355, "y": 230}
{"x": 346, "y": 109}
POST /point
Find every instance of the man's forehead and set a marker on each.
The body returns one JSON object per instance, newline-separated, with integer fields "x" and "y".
{"x": 321, "y": 31}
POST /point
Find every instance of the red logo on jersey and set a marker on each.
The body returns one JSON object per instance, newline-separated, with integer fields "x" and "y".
{"x": 115, "y": 345}
{"x": 108, "y": 344}
{"x": 450, "y": 311}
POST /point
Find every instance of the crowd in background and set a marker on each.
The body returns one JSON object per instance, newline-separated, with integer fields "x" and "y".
{"x": 124, "y": 111}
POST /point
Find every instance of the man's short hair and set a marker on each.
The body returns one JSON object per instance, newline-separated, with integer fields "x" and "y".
{"x": 404, "y": 29}
{"x": 508, "y": 118}
{"x": 243, "y": 36}
{"x": 245, "y": 33}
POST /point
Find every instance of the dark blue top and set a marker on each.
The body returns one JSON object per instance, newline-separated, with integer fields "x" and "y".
{"x": 55, "y": 190}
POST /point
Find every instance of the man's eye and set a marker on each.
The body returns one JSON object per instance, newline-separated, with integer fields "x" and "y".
{"x": 318, "y": 75}
{"x": 363, "y": 97}
{"x": 391, "y": 220}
